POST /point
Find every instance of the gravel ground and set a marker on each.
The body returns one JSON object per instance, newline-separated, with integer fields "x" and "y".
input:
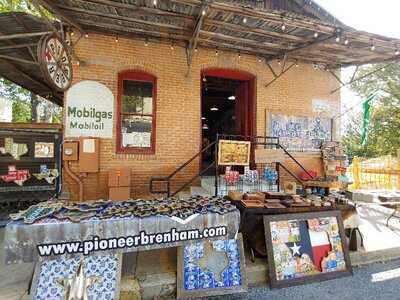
{"x": 358, "y": 287}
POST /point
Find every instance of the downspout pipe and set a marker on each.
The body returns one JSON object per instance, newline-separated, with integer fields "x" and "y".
{"x": 75, "y": 178}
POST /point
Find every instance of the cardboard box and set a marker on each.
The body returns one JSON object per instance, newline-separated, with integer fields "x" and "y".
{"x": 119, "y": 193}
{"x": 120, "y": 177}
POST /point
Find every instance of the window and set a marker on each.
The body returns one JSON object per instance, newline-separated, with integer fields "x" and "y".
{"x": 136, "y": 109}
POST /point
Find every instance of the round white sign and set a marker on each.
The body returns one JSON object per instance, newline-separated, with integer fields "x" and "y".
{"x": 89, "y": 110}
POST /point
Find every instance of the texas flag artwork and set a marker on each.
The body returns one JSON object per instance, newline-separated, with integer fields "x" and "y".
{"x": 306, "y": 247}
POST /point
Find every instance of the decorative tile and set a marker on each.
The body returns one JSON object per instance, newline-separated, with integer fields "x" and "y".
{"x": 102, "y": 274}
{"x": 211, "y": 268}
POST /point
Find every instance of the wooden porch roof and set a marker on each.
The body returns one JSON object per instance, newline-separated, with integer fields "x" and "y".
{"x": 19, "y": 35}
{"x": 298, "y": 31}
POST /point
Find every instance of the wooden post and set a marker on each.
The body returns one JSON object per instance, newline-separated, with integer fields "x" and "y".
{"x": 356, "y": 173}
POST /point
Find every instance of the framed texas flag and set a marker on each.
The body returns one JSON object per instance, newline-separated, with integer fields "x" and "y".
{"x": 306, "y": 247}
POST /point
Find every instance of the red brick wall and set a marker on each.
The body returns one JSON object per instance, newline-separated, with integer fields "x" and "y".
{"x": 178, "y": 102}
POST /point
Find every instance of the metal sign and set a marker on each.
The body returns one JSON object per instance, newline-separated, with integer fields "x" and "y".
{"x": 89, "y": 110}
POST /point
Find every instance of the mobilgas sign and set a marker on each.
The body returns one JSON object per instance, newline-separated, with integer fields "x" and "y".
{"x": 89, "y": 110}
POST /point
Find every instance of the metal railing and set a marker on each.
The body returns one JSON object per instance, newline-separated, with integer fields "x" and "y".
{"x": 265, "y": 141}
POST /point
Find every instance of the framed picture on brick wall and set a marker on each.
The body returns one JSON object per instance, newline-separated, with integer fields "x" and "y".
{"x": 305, "y": 248}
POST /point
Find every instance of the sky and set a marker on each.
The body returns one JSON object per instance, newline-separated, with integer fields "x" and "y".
{"x": 380, "y": 17}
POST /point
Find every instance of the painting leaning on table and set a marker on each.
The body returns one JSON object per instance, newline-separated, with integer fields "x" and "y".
{"x": 306, "y": 247}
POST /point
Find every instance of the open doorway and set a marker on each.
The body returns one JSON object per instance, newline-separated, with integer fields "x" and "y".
{"x": 227, "y": 107}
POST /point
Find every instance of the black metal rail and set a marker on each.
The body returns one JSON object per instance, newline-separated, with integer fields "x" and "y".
{"x": 266, "y": 141}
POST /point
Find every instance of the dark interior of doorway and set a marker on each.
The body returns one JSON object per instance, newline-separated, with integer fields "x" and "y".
{"x": 219, "y": 112}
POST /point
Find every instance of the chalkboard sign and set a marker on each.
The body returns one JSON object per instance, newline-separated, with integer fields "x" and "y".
{"x": 297, "y": 133}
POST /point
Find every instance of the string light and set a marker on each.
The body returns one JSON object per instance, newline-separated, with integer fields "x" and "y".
{"x": 146, "y": 43}
{"x": 338, "y": 39}
{"x": 283, "y": 27}
{"x": 86, "y": 35}
{"x": 279, "y": 62}
{"x": 239, "y": 55}
{"x": 155, "y": 2}
{"x": 203, "y": 12}
{"x": 72, "y": 33}
{"x": 116, "y": 39}
{"x": 216, "y": 52}
{"x": 316, "y": 34}
{"x": 397, "y": 52}
{"x": 244, "y": 20}
{"x": 346, "y": 41}
{"x": 172, "y": 46}
{"x": 195, "y": 49}
{"x": 78, "y": 63}
{"x": 259, "y": 59}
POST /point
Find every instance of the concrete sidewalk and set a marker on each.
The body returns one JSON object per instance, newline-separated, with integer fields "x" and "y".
{"x": 373, "y": 282}
{"x": 156, "y": 270}
{"x": 14, "y": 279}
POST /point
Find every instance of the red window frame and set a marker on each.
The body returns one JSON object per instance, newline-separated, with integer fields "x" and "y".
{"x": 136, "y": 76}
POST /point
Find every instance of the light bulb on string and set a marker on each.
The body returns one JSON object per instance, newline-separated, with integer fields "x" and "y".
{"x": 216, "y": 52}
{"x": 338, "y": 39}
{"x": 244, "y": 20}
{"x": 116, "y": 39}
{"x": 146, "y": 43}
{"x": 283, "y": 27}
{"x": 316, "y": 34}
{"x": 346, "y": 41}
{"x": 154, "y": 2}
{"x": 203, "y": 12}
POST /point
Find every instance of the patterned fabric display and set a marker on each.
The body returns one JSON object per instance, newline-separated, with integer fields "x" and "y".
{"x": 52, "y": 271}
{"x": 201, "y": 271}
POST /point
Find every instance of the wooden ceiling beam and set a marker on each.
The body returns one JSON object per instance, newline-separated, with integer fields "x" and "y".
{"x": 195, "y": 35}
{"x": 242, "y": 40}
{"x": 258, "y": 31}
{"x": 308, "y": 24}
{"x": 104, "y": 28}
{"x": 27, "y": 76}
{"x": 234, "y": 47}
{"x": 23, "y": 35}
{"x": 53, "y": 8}
{"x": 304, "y": 46}
{"x": 18, "y": 46}
{"x": 139, "y": 9}
{"x": 119, "y": 17}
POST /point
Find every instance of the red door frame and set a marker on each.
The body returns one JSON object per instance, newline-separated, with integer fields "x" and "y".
{"x": 250, "y": 116}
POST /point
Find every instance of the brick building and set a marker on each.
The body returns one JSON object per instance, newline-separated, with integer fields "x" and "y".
{"x": 178, "y": 72}
{"x": 178, "y": 102}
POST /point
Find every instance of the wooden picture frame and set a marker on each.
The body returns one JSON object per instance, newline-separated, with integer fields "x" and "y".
{"x": 233, "y": 153}
{"x": 198, "y": 290}
{"x": 105, "y": 277}
{"x": 283, "y": 258}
